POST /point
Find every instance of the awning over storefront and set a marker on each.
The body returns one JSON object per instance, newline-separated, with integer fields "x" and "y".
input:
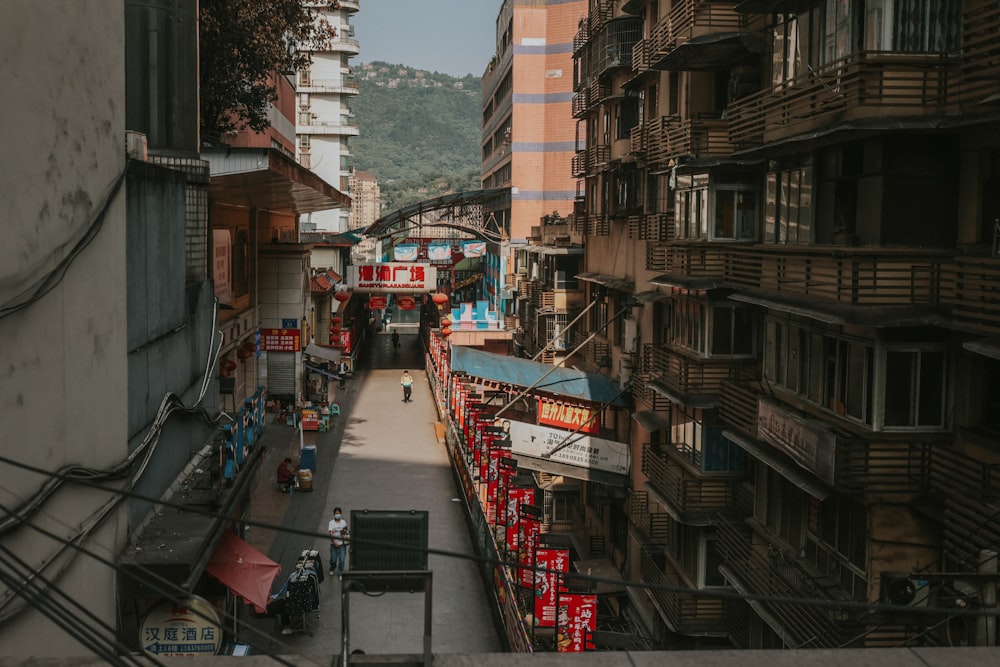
{"x": 620, "y": 284}
{"x": 786, "y": 468}
{"x": 566, "y": 470}
{"x": 988, "y": 347}
{"x": 267, "y": 179}
{"x": 328, "y": 353}
{"x": 835, "y": 313}
{"x": 243, "y": 569}
{"x": 524, "y": 373}
{"x": 651, "y": 420}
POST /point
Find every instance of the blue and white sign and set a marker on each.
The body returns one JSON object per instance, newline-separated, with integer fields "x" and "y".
{"x": 181, "y": 630}
{"x": 289, "y": 323}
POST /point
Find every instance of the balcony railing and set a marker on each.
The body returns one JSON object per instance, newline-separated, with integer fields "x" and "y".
{"x": 980, "y": 51}
{"x": 971, "y": 287}
{"x": 345, "y": 85}
{"x": 598, "y": 225}
{"x": 693, "y": 18}
{"x": 738, "y": 407}
{"x": 765, "y": 571}
{"x": 867, "y": 85}
{"x": 654, "y": 525}
{"x": 656, "y": 256}
{"x": 686, "y": 613}
{"x": 639, "y": 139}
{"x": 581, "y": 103}
{"x": 856, "y": 276}
{"x": 672, "y": 137}
{"x": 697, "y": 259}
{"x": 601, "y": 12}
{"x": 686, "y": 491}
{"x": 685, "y": 374}
{"x": 644, "y": 394}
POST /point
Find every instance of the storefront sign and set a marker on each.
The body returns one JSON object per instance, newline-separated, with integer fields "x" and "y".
{"x": 808, "y": 444}
{"x": 377, "y": 303}
{"x": 406, "y": 302}
{"x": 572, "y": 417}
{"x": 221, "y": 263}
{"x": 575, "y": 449}
{"x": 577, "y": 622}
{"x": 392, "y": 277}
{"x": 170, "y": 630}
{"x": 280, "y": 340}
{"x": 553, "y": 562}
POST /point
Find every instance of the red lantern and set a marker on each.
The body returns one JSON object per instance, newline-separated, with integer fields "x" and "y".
{"x": 446, "y": 322}
{"x": 243, "y": 353}
{"x": 226, "y": 367}
{"x": 335, "y": 319}
{"x": 335, "y": 329}
{"x": 342, "y": 296}
{"x": 439, "y": 298}
{"x": 446, "y": 331}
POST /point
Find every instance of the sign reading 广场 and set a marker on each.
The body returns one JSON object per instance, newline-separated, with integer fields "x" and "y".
{"x": 392, "y": 277}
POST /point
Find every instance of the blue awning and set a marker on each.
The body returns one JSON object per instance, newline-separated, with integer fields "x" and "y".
{"x": 524, "y": 373}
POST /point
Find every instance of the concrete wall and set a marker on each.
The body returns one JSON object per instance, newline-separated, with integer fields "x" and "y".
{"x": 63, "y": 388}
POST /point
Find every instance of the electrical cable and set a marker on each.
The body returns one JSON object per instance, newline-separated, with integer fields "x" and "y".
{"x": 51, "y": 279}
{"x": 643, "y": 585}
{"x": 19, "y": 568}
{"x": 159, "y": 585}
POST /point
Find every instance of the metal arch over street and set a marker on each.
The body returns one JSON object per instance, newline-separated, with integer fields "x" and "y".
{"x": 465, "y": 211}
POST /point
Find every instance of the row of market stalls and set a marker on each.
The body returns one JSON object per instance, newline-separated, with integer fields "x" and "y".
{"x": 523, "y": 437}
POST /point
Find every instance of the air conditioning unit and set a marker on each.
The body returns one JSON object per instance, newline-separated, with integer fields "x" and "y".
{"x": 136, "y": 146}
{"x": 911, "y": 590}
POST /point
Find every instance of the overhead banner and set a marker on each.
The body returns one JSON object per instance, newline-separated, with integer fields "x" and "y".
{"x": 439, "y": 251}
{"x": 577, "y": 449}
{"x": 405, "y": 252}
{"x": 473, "y": 248}
{"x": 392, "y": 277}
{"x": 572, "y": 417}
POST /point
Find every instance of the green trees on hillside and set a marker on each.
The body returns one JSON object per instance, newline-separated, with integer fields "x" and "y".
{"x": 420, "y": 140}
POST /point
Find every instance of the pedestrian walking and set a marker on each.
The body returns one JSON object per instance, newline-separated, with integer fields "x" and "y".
{"x": 407, "y": 382}
{"x": 342, "y": 372}
{"x": 339, "y": 533}
{"x": 395, "y": 339}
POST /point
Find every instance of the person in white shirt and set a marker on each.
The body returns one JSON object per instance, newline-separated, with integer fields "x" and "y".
{"x": 338, "y": 543}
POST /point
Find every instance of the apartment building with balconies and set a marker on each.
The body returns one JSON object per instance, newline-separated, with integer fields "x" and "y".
{"x": 527, "y": 146}
{"x": 324, "y": 122}
{"x": 801, "y": 199}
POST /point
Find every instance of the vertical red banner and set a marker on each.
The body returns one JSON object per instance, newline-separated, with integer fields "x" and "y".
{"x": 577, "y": 622}
{"x": 553, "y": 562}
{"x": 515, "y": 498}
{"x": 528, "y": 528}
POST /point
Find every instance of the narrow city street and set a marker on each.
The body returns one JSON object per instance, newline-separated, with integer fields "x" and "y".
{"x": 380, "y": 454}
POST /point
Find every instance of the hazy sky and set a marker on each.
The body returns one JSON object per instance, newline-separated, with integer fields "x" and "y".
{"x": 456, "y": 37}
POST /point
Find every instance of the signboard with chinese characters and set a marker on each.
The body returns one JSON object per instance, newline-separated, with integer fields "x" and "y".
{"x": 575, "y": 449}
{"x": 172, "y": 630}
{"x": 280, "y": 340}
{"x": 221, "y": 263}
{"x": 577, "y": 622}
{"x": 552, "y": 563}
{"x": 807, "y": 443}
{"x": 392, "y": 277}
{"x": 572, "y": 417}
{"x": 377, "y": 303}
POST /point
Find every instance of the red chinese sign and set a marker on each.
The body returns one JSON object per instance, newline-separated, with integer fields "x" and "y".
{"x": 377, "y": 303}
{"x": 552, "y": 562}
{"x": 280, "y": 340}
{"x": 393, "y": 277}
{"x": 572, "y": 417}
{"x": 577, "y": 622}
{"x": 528, "y": 527}
{"x": 406, "y": 303}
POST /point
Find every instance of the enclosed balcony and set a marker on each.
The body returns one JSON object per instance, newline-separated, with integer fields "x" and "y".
{"x": 755, "y": 567}
{"x": 703, "y": 35}
{"x": 970, "y": 286}
{"x": 695, "y": 497}
{"x": 685, "y": 612}
{"x": 655, "y": 526}
{"x": 875, "y": 87}
{"x": 687, "y": 377}
{"x": 672, "y": 137}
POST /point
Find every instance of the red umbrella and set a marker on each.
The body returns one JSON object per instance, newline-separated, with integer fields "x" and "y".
{"x": 244, "y": 570}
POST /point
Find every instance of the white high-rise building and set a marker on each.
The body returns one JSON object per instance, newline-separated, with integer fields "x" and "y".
{"x": 325, "y": 122}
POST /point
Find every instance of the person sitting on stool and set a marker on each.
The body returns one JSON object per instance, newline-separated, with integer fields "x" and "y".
{"x": 286, "y": 475}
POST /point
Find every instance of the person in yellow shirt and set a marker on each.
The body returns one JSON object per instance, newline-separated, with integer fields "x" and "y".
{"x": 407, "y": 382}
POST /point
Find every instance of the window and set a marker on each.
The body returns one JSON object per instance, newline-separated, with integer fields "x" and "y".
{"x": 836, "y": 541}
{"x": 691, "y": 207}
{"x": 563, "y": 503}
{"x": 788, "y": 206}
{"x": 786, "y": 57}
{"x": 780, "y": 506}
{"x": 687, "y": 324}
{"x": 912, "y": 26}
{"x": 697, "y": 436}
{"x": 915, "y": 384}
{"x": 735, "y": 213}
{"x": 733, "y": 330}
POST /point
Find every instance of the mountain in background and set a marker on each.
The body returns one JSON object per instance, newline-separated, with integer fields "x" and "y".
{"x": 419, "y": 132}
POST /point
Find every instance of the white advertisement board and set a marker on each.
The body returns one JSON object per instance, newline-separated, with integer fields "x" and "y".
{"x": 576, "y": 449}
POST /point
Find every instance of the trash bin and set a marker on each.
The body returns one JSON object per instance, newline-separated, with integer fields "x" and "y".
{"x": 305, "y": 480}
{"x": 307, "y": 458}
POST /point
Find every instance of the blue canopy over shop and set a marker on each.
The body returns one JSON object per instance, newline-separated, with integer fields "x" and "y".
{"x": 567, "y": 382}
